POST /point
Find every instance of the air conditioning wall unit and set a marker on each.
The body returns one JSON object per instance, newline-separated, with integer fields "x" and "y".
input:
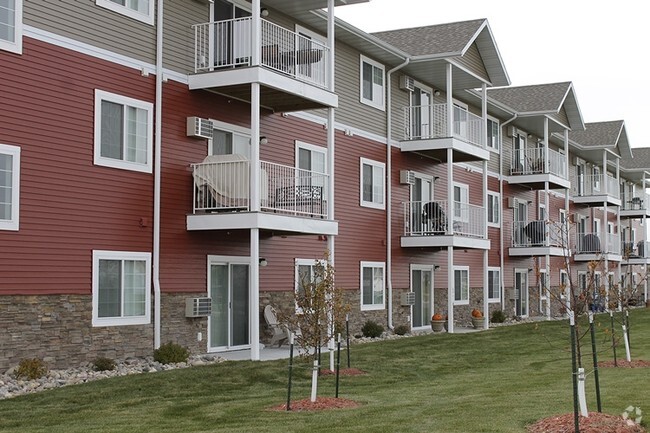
{"x": 512, "y": 131}
{"x": 514, "y": 295}
{"x": 199, "y": 127}
{"x": 406, "y": 177}
{"x": 512, "y": 202}
{"x": 406, "y": 83}
{"x": 198, "y": 307}
{"x": 407, "y": 299}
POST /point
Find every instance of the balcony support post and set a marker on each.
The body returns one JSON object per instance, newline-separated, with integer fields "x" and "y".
{"x": 547, "y": 163}
{"x": 256, "y": 34}
{"x": 450, "y": 290}
{"x": 450, "y": 101}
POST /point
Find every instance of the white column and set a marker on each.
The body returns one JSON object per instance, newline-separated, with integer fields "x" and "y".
{"x": 254, "y": 295}
{"x": 254, "y": 206}
{"x": 450, "y": 101}
{"x": 450, "y": 249}
{"x": 486, "y": 310}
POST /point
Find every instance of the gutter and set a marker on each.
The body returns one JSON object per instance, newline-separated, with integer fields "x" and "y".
{"x": 389, "y": 194}
{"x": 156, "y": 171}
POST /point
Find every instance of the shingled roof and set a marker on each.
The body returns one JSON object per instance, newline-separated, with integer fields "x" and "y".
{"x": 609, "y": 134}
{"x": 539, "y": 98}
{"x": 639, "y": 160}
{"x": 448, "y": 39}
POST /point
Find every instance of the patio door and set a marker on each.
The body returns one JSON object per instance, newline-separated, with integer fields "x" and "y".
{"x": 421, "y": 194}
{"x": 228, "y": 286}
{"x": 422, "y": 286}
{"x": 521, "y": 292}
{"x": 520, "y": 217}
{"x": 232, "y": 39}
{"x": 421, "y": 118}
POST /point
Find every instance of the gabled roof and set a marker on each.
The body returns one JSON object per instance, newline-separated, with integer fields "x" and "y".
{"x": 603, "y": 135}
{"x": 556, "y": 101}
{"x": 639, "y": 160}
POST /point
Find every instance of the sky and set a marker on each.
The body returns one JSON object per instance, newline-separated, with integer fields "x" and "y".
{"x": 600, "y": 46}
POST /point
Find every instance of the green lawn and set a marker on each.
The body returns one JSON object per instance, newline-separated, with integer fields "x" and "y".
{"x": 494, "y": 381}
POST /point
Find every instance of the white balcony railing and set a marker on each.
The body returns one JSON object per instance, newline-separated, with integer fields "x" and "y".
{"x": 594, "y": 243}
{"x": 587, "y": 185}
{"x": 223, "y": 186}
{"x": 636, "y": 250}
{"x": 538, "y": 233}
{"x": 229, "y": 43}
{"x": 637, "y": 202}
{"x": 434, "y": 218}
{"x": 533, "y": 161}
{"x": 430, "y": 121}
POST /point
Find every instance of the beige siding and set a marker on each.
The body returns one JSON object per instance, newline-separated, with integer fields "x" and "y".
{"x": 561, "y": 117}
{"x": 178, "y": 34}
{"x": 86, "y": 22}
{"x": 473, "y": 62}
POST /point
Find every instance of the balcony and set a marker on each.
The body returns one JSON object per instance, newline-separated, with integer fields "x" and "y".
{"x": 534, "y": 167}
{"x": 432, "y": 224}
{"x": 538, "y": 238}
{"x": 293, "y": 71}
{"x": 426, "y": 132}
{"x": 590, "y": 190}
{"x": 636, "y": 206}
{"x": 596, "y": 246}
{"x": 636, "y": 253}
{"x": 291, "y": 200}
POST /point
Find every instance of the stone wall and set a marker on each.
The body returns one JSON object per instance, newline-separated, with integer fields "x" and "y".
{"x": 177, "y": 328}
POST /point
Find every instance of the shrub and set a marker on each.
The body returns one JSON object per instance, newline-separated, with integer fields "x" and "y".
{"x": 372, "y": 329}
{"x": 402, "y": 329}
{"x": 171, "y": 353}
{"x": 498, "y": 316}
{"x": 31, "y": 369}
{"x": 103, "y": 364}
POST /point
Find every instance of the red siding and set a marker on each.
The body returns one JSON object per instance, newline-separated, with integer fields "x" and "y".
{"x": 68, "y": 206}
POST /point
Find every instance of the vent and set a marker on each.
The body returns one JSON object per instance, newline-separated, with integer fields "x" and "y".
{"x": 406, "y": 177}
{"x": 408, "y": 298}
{"x": 406, "y": 83}
{"x": 199, "y": 127}
{"x": 198, "y": 307}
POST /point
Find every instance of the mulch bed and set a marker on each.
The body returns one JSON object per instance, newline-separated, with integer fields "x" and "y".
{"x": 321, "y": 403}
{"x": 622, "y": 363}
{"x": 343, "y": 372}
{"x": 595, "y": 423}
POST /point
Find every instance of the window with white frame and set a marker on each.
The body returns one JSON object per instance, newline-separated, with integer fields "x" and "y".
{"x": 494, "y": 208}
{"x": 9, "y": 186}
{"x": 373, "y": 193}
{"x": 121, "y": 288}
{"x": 373, "y": 285}
{"x": 229, "y": 139}
{"x": 305, "y": 276}
{"x": 544, "y": 284}
{"x": 494, "y": 284}
{"x": 493, "y": 136}
{"x": 461, "y": 202}
{"x": 596, "y": 178}
{"x": 123, "y": 132}
{"x": 372, "y": 83}
{"x": 141, "y": 10}
{"x": 11, "y": 25}
{"x": 313, "y": 160}
{"x": 461, "y": 284}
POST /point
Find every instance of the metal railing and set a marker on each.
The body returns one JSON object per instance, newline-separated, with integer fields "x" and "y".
{"x": 229, "y": 43}
{"x": 533, "y": 161}
{"x": 635, "y": 250}
{"x": 223, "y": 186}
{"x": 538, "y": 233}
{"x": 637, "y": 202}
{"x": 594, "y": 243}
{"x": 435, "y": 218}
{"x": 430, "y": 121}
{"x": 586, "y": 185}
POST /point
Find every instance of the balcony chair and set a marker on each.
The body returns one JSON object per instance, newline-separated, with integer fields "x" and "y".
{"x": 434, "y": 218}
{"x": 535, "y": 232}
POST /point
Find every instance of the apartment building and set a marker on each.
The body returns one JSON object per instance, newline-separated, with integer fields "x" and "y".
{"x": 193, "y": 160}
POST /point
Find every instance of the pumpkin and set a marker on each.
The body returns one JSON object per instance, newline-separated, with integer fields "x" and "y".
{"x": 437, "y": 316}
{"x": 477, "y": 313}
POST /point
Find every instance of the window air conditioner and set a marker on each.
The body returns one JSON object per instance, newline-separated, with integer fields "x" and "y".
{"x": 406, "y": 177}
{"x": 198, "y": 307}
{"x": 408, "y": 298}
{"x": 512, "y": 202}
{"x": 199, "y": 127}
{"x": 406, "y": 83}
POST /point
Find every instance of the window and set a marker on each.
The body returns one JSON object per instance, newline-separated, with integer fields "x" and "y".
{"x": 305, "y": 276}
{"x": 372, "y": 184}
{"x": 9, "y": 186}
{"x": 494, "y": 284}
{"x": 372, "y": 83}
{"x": 372, "y": 285}
{"x": 123, "y": 132}
{"x": 313, "y": 159}
{"x": 493, "y": 138}
{"x": 461, "y": 202}
{"x": 230, "y": 139}
{"x": 141, "y": 10}
{"x": 11, "y": 25}
{"x": 461, "y": 284}
{"x": 494, "y": 208}
{"x": 596, "y": 178}
{"x": 121, "y": 288}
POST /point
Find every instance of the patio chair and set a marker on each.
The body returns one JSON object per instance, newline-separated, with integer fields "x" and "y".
{"x": 280, "y": 332}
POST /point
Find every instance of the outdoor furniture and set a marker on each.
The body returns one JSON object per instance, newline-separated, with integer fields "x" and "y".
{"x": 434, "y": 218}
{"x": 280, "y": 332}
{"x": 301, "y": 198}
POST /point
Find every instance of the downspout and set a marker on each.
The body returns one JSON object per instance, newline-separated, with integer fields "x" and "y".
{"x": 156, "y": 172}
{"x": 389, "y": 194}
{"x": 502, "y": 255}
